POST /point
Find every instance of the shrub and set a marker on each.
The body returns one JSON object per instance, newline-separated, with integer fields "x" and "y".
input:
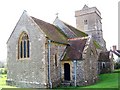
{"x": 3, "y": 71}
{"x": 117, "y": 65}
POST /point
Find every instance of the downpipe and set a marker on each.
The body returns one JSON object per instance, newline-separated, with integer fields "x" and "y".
{"x": 75, "y": 72}
{"x": 49, "y": 73}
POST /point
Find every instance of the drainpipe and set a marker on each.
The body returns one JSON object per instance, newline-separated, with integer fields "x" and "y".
{"x": 49, "y": 74}
{"x": 75, "y": 72}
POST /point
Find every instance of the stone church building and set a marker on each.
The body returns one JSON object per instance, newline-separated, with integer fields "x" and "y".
{"x": 44, "y": 55}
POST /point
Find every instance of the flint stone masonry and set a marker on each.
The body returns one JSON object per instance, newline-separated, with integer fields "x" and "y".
{"x": 56, "y": 50}
{"x": 30, "y": 69}
{"x": 87, "y": 68}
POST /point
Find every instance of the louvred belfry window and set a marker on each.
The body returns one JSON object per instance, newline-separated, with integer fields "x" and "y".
{"x": 23, "y": 46}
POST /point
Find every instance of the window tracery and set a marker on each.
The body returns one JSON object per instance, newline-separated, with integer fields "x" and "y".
{"x": 23, "y": 46}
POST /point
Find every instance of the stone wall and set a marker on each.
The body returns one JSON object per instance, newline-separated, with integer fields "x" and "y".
{"x": 91, "y": 64}
{"x": 105, "y": 67}
{"x": 28, "y": 72}
{"x": 79, "y": 73}
{"x": 56, "y": 51}
{"x": 87, "y": 68}
{"x": 93, "y": 26}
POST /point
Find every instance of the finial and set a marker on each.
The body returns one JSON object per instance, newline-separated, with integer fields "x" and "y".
{"x": 85, "y": 7}
{"x": 110, "y": 49}
{"x": 24, "y": 11}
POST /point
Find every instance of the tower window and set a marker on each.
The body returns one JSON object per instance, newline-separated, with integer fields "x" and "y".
{"x": 23, "y": 46}
{"x": 85, "y": 22}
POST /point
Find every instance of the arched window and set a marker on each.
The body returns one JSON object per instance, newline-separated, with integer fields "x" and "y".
{"x": 23, "y": 46}
{"x": 103, "y": 65}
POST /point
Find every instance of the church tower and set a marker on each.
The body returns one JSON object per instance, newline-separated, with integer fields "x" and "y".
{"x": 88, "y": 20}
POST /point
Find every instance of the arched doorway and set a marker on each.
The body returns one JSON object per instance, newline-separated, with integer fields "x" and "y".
{"x": 67, "y": 71}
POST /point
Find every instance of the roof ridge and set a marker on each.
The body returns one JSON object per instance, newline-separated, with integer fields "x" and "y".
{"x": 41, "y": 20}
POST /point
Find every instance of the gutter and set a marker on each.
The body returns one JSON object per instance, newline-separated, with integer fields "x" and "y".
{"x": 49, "y": 73}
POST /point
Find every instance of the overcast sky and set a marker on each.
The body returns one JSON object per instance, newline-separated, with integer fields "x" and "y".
{"x": 46, "y": 10}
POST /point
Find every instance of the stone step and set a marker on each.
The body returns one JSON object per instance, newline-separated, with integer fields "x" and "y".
{"x": 65, "y": 83}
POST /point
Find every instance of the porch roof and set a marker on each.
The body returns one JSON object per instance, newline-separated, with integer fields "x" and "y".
{"x": 104, "y": 56}
{"x": 75, "y": 49}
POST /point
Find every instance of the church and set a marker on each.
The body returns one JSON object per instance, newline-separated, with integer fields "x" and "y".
{"x": 44, "y": 55}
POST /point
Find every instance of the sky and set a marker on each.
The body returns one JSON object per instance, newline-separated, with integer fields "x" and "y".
{"x": 46, "y": 10}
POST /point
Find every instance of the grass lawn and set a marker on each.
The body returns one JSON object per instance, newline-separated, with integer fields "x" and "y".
{"x": 106, "y": 81}
{"x": 3, "y": 78}
{"x": 3, "y": 81}
{"x": 109, "y": 80}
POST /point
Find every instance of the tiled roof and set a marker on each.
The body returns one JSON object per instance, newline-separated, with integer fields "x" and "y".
{"x": 116, "y": 52}
{"x": 68, "y": 30}
{"x": 74, "y": 51}
{"x": 76, "y": 31}
{"x": 104, "y": 56}
{"x": 51, "y": 31}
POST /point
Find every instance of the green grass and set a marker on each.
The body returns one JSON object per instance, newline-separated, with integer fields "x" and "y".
{"x": 3, "y": 78}
{"x": 109, "y": 80}
{"x": 106, "y": 81}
